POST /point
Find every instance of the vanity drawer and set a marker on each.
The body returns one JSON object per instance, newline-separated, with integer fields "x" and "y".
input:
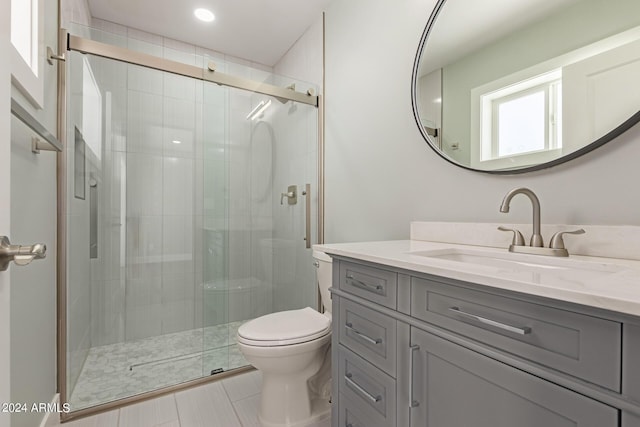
{"x": 369, "y": 389}
{"x": 369, "y": 334}
{"x": 355, "y": 414}
{"x": 371, "y": 283}
{"x": 577, "y": 344}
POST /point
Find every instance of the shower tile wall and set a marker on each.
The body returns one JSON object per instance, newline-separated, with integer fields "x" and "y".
{"x": 238, "y": 233}
{"x": 150, "y": 205}
{"x": 158, "y": 196}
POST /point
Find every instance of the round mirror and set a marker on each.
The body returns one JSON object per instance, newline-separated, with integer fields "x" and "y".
{"x": 505, "y": 86}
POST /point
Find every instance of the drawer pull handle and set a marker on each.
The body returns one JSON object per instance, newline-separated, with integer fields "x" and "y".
{"x": 521, "y": 331}
{"x": 367, "y": 338}
{"x": 365, "y": 393}
{"x": 361, "y": 284}
{"x": 412, "y": 402}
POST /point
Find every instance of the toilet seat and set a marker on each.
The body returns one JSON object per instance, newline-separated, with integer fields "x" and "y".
{"x": 285, "y": 328}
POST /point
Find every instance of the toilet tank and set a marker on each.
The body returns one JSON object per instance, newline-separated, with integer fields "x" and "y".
{"x": 323, "y": 265}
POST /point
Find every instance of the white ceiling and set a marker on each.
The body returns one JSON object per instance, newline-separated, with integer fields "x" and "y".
{"x": 257, "y": 30}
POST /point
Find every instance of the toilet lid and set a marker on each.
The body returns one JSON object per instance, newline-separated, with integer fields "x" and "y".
{"x": 286, "y": 327}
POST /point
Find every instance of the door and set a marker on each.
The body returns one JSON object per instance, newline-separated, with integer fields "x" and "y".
{"x": 454, "y": 387}
{"x": 5, "y": 171}
{"x": 27, "y": 216}
{"x": 595, "y": 94}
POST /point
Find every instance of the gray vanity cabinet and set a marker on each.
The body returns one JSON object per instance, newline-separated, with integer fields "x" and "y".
{"x": 414, "y": 350}
{"x": 454, "y": 387}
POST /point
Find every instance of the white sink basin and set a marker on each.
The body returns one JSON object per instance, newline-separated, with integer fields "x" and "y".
{"x": 515, "y": 263}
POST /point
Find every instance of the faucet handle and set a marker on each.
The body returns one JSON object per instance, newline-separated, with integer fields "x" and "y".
{"x": 518, "y": 238}
{"x": 557, "y": 242}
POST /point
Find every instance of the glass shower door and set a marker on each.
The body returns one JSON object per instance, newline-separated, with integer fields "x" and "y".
{"x": 135, "y": 138}
{"x": 254, "y": 151}
{"x": 176, "y": 229}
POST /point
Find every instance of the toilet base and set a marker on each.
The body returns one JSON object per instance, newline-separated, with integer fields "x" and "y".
{"x": 320, "y": 410}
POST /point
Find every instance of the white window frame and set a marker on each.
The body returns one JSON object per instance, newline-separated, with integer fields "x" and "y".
{"x": 487, "y": 99}
{"x": 29, "y": 79}
{"x": 491, "y": 115}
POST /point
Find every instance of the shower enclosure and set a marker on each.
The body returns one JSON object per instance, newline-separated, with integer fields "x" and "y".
{"x": 176, "y": 230}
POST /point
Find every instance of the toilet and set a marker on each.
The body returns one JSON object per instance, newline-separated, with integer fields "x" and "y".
{"x": 292, "y": 349}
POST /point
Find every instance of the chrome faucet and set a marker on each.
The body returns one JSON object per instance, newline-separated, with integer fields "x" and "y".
{"x": 536, "y": 237}
{"x": 536, "y": 245}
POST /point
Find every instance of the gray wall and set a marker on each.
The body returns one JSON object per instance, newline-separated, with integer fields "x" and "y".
{"x": 380, "y": 174}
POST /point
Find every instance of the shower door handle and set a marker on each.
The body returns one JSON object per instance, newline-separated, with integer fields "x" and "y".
{"x": 307, "y": 204}
{"x": 21, "y": 255}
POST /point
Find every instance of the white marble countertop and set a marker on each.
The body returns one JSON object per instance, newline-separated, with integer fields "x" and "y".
{"x": 607, "y": 283}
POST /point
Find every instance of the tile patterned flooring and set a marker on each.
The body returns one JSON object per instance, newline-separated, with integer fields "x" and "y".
{"x": 116, "y": 371}
{"x": 232, "y": 402}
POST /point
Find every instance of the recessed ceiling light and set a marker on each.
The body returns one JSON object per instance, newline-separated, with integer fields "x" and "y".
{"x": 175, "y": 141}
{"x": 204, "y": 15}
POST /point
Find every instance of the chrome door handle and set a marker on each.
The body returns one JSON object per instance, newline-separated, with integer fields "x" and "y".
{"x": 516, "y": 330}
{"x": 362, "y": 284}
{"x": 412, "y": 402}
{"x": 365, "y": 393}
{"x": 375, "y": 341}
{"x": 21, "y": 255}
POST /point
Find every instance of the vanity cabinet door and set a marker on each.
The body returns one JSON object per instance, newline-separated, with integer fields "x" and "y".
{"x": 454, "y": 386}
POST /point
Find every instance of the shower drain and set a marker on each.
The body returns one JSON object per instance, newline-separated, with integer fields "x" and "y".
{"x": 178, "y": 358}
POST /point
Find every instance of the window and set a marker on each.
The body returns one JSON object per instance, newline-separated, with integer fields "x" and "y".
{"x": 24, "y": 31}
{"x": 27, "y": 53}
{"x": 522, "y": 118}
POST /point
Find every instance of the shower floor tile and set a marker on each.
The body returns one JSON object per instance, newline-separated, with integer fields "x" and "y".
{"x": 116, "y": 371}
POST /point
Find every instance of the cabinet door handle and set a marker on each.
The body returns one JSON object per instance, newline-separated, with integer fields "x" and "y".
{"x": 516, "y": 330}
{"x": 365, "y": 393}
{"x": 349, "y": 326}
{"x": 412, "y": 402}
{"x": 362, "y": 284}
